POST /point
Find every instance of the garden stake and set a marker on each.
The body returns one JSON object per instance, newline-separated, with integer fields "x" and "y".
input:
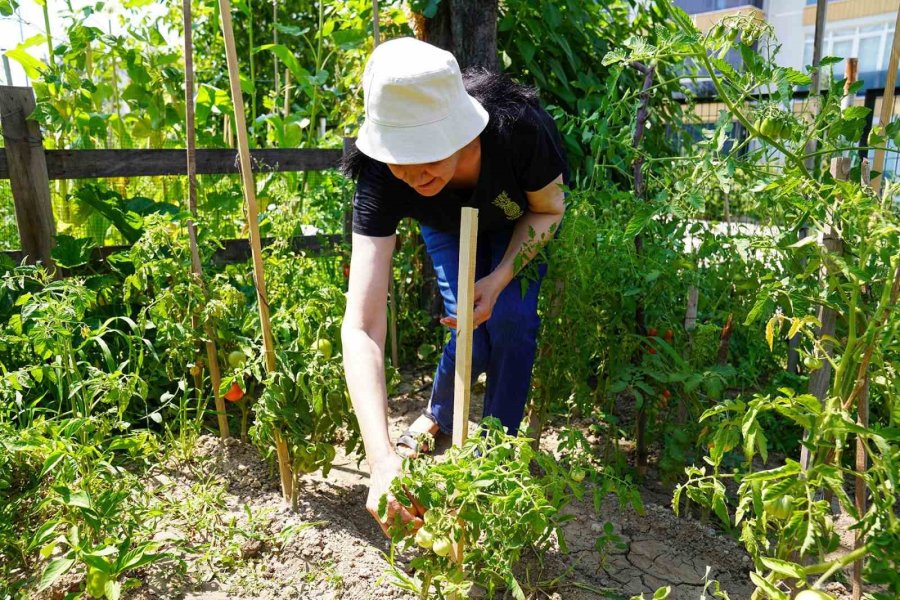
{"x": 212, "y": 357}
{"x": 465, "y": 297}
{"x": 249, "y": 185}
{"x": 462, "y": 388}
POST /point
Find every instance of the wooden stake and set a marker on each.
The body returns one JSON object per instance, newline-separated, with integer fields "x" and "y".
{"x": 887, "y": 102}
{"x": 240, "y": 126}
{"x": 465, "y": 296}
{"x": 212, "y": 356}
{"x": 465, "y": 328}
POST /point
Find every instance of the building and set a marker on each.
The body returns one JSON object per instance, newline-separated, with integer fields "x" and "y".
{"x": 863, "y": 29}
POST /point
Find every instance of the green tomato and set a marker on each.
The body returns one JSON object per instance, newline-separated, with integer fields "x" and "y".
{"x": 323, "y": 347}
{"x": 431, "y": 517}
{"x": 813, "y": 595}
{"x": 96, "y": 581}
{"x": 781, "y": 508}
{"x": 424, "y": 538}
{"x": 769, "y": 128}
{"x": 812, "y": 363}
{"x": 577, "y": 474}
{"x": 441, "y": 546}
{"x": 236, "y": 358}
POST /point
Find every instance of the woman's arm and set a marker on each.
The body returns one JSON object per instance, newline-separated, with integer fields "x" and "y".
{"x": 545, "y": 212}
{"x": 362, "y": 336}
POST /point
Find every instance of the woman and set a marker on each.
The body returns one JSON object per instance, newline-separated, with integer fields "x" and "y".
{"x": 427, "y": 148}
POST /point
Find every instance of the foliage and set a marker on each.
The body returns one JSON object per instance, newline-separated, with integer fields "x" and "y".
{"x": 485, "y": 494}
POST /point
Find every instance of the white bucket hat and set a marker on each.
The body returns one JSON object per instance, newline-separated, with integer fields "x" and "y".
{"x": 417, "y": 110}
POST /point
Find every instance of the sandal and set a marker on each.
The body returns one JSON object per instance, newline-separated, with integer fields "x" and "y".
{"x": 417, "y": 442}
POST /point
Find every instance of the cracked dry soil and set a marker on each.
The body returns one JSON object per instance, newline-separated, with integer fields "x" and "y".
{"x": 338, "y": 551}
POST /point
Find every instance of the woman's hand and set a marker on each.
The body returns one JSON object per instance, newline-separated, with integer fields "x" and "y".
{"x": 487, "y": 290}
{"x": 383, "y": 472}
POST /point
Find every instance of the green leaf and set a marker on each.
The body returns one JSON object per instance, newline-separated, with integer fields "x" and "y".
{"x": 784, "y": 568}
{"x": 773, "y": 592}
{"x": 51, "y": 462}
{"x": 56, "y": 569}
{"x": 855, "y": 112}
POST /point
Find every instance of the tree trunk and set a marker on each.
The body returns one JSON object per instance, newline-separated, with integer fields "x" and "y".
{"x": 466, "y": 28}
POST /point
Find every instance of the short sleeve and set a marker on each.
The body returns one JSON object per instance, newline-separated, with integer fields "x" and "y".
{"x": 373, "y": 214}
{"x": 538, "y": 155}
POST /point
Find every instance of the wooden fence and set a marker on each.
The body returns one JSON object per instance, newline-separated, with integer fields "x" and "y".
{"x": 30, "y": 168}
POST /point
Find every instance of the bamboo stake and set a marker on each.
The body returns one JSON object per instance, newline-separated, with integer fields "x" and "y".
{"x": 212, "y": 356}
{"x": 887, "y": 102}
{"x": 249, "y": 185}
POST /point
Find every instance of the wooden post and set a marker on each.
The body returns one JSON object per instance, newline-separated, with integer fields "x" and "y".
{"x": 465, "y": 296}
{"x": 249, "y": 185}
{"x": 376, "y": 33}
{"x": 887, "y": 102}
{"x": 28, "y": 177}
{"x": 212, "y": 355}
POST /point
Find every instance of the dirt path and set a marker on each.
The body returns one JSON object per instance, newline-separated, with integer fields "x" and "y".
{"x": 332, "y": 548}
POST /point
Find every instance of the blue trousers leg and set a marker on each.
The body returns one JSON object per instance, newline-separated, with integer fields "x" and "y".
{"x": 504, "y": 347}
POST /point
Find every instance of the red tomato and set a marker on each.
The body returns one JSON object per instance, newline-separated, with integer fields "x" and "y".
{"x": 651, "y": 350}
{"x": 235, "y": 393}
{"x": 666, "y": 394}
{"x": 668, "y": 335}
{"x": 652, "y": 332}
{"x": 346, "y": 271}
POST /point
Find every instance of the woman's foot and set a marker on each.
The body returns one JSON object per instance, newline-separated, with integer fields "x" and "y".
{"x": 418, "y": 438}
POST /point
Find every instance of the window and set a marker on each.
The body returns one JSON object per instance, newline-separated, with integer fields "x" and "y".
{"x": 871, "y": 44}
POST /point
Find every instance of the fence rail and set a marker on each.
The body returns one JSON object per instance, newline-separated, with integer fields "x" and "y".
{"x": 86, "y": 164}
{"x": 30, "y": 168}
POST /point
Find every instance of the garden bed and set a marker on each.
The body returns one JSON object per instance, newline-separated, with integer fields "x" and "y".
{"x": 337, "y": 550}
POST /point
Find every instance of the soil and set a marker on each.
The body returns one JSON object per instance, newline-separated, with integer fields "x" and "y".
{"x": 332, "y": 548}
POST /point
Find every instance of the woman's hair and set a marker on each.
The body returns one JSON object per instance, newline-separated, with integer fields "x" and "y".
{"x": 501, "y": 97}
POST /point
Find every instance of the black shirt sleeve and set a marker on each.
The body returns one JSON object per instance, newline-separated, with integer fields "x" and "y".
{"x": 539, "y": 157}
{"x": 374, "y": 213}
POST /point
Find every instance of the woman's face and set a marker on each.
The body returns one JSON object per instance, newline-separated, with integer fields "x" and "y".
{"x": 428, "y": 178}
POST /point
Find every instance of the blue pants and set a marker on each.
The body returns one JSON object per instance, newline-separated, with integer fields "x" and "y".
{"x": 504, "y": 347}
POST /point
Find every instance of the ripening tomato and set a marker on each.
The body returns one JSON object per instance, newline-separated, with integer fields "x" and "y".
{"x": 346, "y": 271}
{"x": 441, "y": 546}
{"x": 96, "y": 582}
{"x": 668, "y": 335}
{"x": 424, "y": 538}
{"x": 236, "y": 358}
{"x": 323, "y": 347}
{"x": 235, "y": 393}
{"x": 812, "y": 363}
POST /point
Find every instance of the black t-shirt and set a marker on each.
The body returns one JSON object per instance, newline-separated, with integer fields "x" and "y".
{"x": 526, "y": 156}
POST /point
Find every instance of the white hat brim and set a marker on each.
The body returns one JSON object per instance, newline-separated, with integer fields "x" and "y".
{"x": 423, "y": 143}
